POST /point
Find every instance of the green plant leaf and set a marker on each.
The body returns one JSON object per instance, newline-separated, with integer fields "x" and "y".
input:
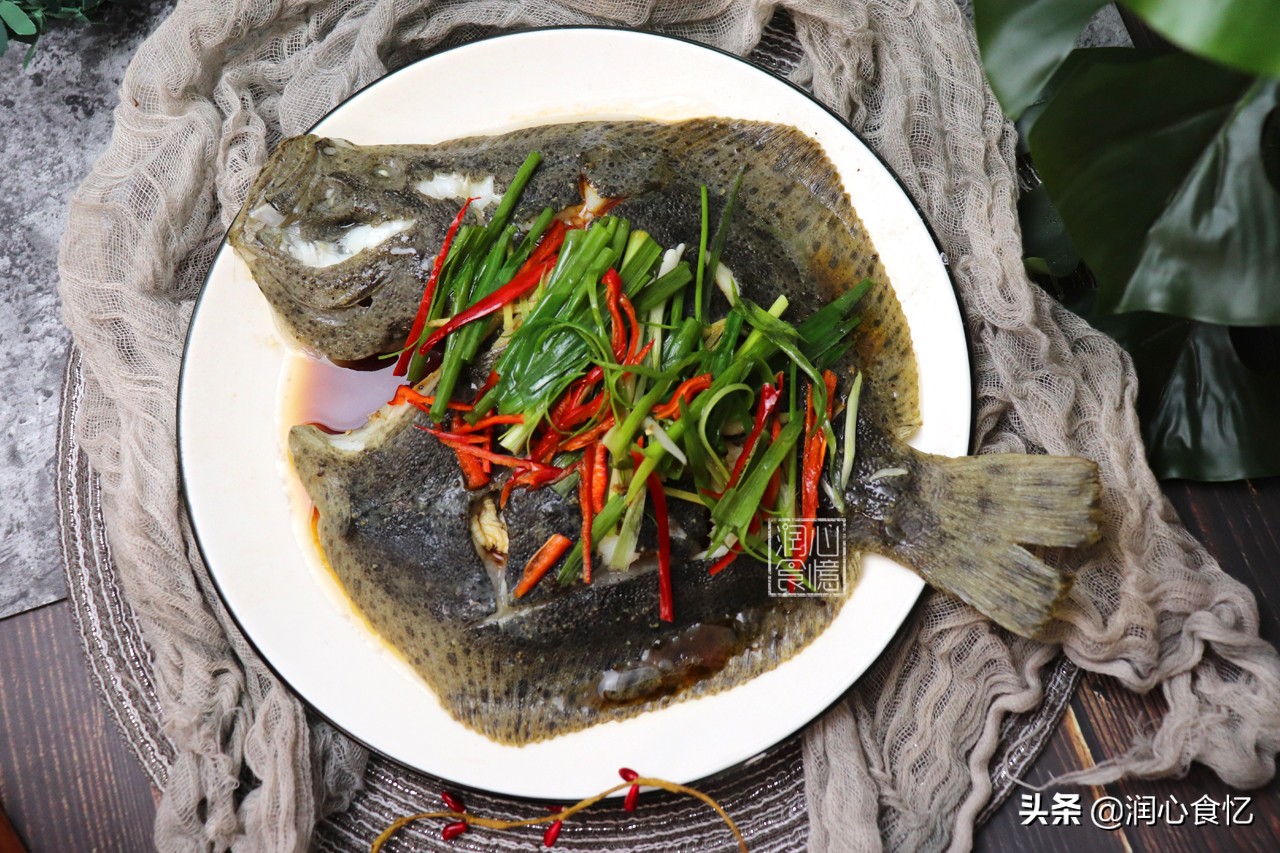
{"x": 4, "y": 41}
{"x": 16, "y": 19}
{"x": 1024, "y": 41}
{"x": 1244, "y": 34}
{"x": 1207, "y": 395}
{"x": 1045, "y": 241}
{"x": 1155, "y": 164}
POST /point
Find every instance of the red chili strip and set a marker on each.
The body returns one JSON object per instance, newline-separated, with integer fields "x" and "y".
{"x": 599, "y": 477}
{"x": 686, "y": 391}
{"x": 633, "y": 795}
{"x": 485, "y": 423}
{"x": 553, "y": 832}
{"x": 580, "y": 441}
{"x": 551, "y": 551}
{"x": 429, "y": 292}
{"x": 473, "y": 476}
{"x": 523, "y": 282}
{"x": 634, "y": 342}
{"x": 639, "y": 357}
{"x": 406, "y": 394}
{"x": 666, "y": 608}
{"x": 548, "y": 245}
{"x": 617, "y": 333}
{"x": 723, "y": 563}
{"x": 458, "y": 442}
{"x": 768, "y": 399}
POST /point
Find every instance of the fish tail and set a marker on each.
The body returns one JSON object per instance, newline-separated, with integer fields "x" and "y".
{"x": 962, "y": 524}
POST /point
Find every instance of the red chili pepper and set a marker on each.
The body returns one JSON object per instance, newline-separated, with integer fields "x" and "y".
{"x": 456, "y": 438}
{"x": 584, "y": 501}
{"x": 627, "y": 774}
{"x": 429, "y": 292}
{"x": 599, "y": 477}
{"x": 633, "y": 794}
{"x": 488, "y": 383}
{"x": 548, "y": 245}
{"x": 811, "y": 472}
{"x": 452, "y": 801}
{"x": 453, "y": 830}
{"x": 613, "y": 297}
{"x": 553, "y": 832}
{"x": 545, "y": 449}
{"x": 473, "y": 474}
{"x": 768, "y": 399}
{"x": 639, "y": 357}
{"x": 583, "y": 413}
{"x": 686, "y": 391}
{"x": 485, "y": 423}
{"x": 553, "y": 549}
{"x": 461, "y": 443}
{"x": 523, "y": 282}
{"x": 666, "y": 608}
{"x": 406, "y": 394}
{"x": 580, "y": 441}
{"x": 634, "y": 340}
{"x": 723, "y": 563}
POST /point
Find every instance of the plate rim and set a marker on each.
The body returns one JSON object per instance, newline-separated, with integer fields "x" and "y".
{"x": 223, "y": 246}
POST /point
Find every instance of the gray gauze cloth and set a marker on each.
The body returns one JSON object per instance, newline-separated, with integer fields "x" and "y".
{"x": 903, "y": 759}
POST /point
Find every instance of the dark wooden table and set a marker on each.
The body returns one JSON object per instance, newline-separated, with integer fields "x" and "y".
{"x": 69, "y": 783}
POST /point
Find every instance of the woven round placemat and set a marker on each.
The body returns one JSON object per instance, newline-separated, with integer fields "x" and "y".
{"x": 765, "y": 795}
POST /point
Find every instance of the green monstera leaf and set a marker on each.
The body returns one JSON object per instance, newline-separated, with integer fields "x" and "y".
{"x": 1208, "y": 396}
{"x": 1165, "y": 188}
{"x": 1244, "y": 34}
{"x": 1024, "y": 41}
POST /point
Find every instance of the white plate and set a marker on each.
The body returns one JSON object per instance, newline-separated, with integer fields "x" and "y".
{"x": 236, "y": 372}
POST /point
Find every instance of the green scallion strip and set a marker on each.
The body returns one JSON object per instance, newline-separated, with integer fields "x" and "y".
{"x": 663, "y": 289}
{"x": 720, "y": 474}
{"x": 722, "y": 227}
{"x": 850, "y": 430}
{"x": 702, "y": 259}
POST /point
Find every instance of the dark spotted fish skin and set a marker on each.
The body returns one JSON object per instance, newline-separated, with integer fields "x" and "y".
{"x": 394, "y": 529}
{"x": 794, "y": 232}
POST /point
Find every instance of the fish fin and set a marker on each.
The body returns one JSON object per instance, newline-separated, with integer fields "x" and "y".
{"x": 961, "y": 523}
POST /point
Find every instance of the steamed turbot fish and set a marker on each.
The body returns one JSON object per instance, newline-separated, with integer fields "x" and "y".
{"x": 444, "y": 558}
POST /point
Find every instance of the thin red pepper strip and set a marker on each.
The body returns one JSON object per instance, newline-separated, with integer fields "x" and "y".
{"x": 666, "y": 607}
{"x": 617, "y": 333}
{"x": 599, "y": 477}
{"x": 768, "y": 399}
{"x": 429, "y": 292}
{"x": 723, "y": 563}
{"x": 579, "y": 441}
{"x": 461, "y": 442}
{"x": 523, "y": 282}
{"x": 686, "y": 390}
{"x": 485, "y": 423}
{"x": 630, "y": 311}
{"x": 550, "y": 243}
{"x": 473, "y": 473}
{"x": 406, "y": 394}
{"x": 545, "y": 557}
{"x": 584, "y": 501}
